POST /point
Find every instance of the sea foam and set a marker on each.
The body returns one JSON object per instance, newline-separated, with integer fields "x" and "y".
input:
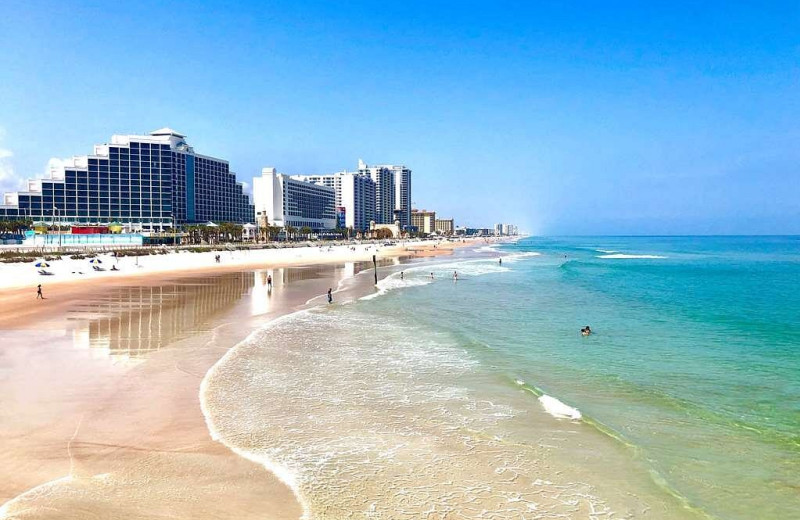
{"x": 558, "y": 409}
{"x": 393, "y": 281}
{"x": 515, "y": 257}
{"x": 419, "y": 275}
{"x": 622, "y": 256}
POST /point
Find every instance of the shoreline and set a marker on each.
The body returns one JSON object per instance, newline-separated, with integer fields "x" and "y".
{"x": 249, "y": 399}
{"x": 55, "y": 316}
{"x": 19, "y": 281}
{"x": 66, "y": 270}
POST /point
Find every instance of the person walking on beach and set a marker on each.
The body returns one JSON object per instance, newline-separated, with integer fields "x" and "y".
{"x": 269, "y": 282}
{"x": 330, "y": 296}
{"x": 39, "y": 295}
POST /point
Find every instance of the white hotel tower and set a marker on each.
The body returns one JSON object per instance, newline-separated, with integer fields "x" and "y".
{"x": 286, "y": 201}
{"x": 354, "y": 192}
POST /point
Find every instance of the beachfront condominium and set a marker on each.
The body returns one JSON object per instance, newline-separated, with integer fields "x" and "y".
{"x": 144, "y": 182}
{"x": 423, "y": 220}
{"x": 445, "y": 226}
{"x": 505, "y": 230}
{"x": 508, "y": 229}
{"x": 355, "y": 195}
{"x": 392, "y": 192}
{"x": 281, "y": 200}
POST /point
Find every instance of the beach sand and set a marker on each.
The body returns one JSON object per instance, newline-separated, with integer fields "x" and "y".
{"x": 99, "y": 384}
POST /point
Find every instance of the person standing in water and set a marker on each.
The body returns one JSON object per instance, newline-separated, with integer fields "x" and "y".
{"x": 39, "y": 295}
{"x": 455, "y": 276}
{"x": 431, "y": 276}
{"x": 401, "y": 275}
{"x": 500, "y": 261}
{"x": 330, "y": 296}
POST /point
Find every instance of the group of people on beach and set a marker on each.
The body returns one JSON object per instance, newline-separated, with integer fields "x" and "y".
{"x": 455, "y": 276}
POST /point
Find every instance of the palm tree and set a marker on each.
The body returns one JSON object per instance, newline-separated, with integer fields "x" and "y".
{"x": 305, "y": 230}
{"x": 225, "y": 232}
{"x": 290, "y": 231}
{"x": 274, "y": 231}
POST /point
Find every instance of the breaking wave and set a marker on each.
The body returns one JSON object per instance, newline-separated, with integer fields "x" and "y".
{"x": 369, "y": 424}
{"x": 622, "y": 256}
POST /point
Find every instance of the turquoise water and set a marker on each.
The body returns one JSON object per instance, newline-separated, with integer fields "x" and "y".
{"x": 694, "y": 363}
{"x": 479, "y": 398}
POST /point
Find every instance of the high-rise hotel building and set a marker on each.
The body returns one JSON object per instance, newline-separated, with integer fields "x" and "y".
{"x": 282, "y": 200}
{"x": 354, "y": 192}
{"x": 423, "y": 220}
{"x": 145, "y": 182}
{"x": 392, "y": 192}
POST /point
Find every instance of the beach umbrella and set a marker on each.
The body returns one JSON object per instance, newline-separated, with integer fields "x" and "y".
{"x": 42, "y": 264}
{"x": 95, "y": 261}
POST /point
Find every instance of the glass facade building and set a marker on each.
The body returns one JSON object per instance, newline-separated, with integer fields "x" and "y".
{"x": 147, "y": 182}
{"x": 392, "y": 192}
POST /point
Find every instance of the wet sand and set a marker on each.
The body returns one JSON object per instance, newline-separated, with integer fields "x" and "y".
{"x": 99, "y": 398}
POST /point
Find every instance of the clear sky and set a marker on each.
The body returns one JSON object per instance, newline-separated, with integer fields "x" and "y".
{"x": 566, "y": 118}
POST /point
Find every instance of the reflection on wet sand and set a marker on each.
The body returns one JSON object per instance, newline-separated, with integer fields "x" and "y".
{"x": 131, "y": 321}
{"x": 128, "y": 322}
{"x": 108, "y": 439}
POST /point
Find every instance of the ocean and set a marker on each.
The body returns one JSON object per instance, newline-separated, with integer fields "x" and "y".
{"x": 479, "y": 398}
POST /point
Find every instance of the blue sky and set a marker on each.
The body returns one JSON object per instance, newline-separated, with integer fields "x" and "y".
{"x": 566, "y": 118}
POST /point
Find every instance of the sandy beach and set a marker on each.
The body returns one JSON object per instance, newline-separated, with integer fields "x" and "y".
{"x": 99, "y": 382}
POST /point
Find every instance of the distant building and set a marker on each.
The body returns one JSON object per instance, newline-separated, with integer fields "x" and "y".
{"x": 354, "y": 192}
{"x": 505, "y": 230}
{"x": 509, "y": 230}
{"x": 285, "y": 201}
{"x": 445, "y": 226}
{"x": 392, "y": 192}
{"x": 423, "y": 220}
{"x": 144, "y": 182}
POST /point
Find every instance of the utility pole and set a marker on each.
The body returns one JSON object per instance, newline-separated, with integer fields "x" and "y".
{"x": 375, "y": 266}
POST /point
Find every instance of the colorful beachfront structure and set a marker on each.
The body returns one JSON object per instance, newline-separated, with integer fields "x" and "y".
{"x": 144, "y": 182}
